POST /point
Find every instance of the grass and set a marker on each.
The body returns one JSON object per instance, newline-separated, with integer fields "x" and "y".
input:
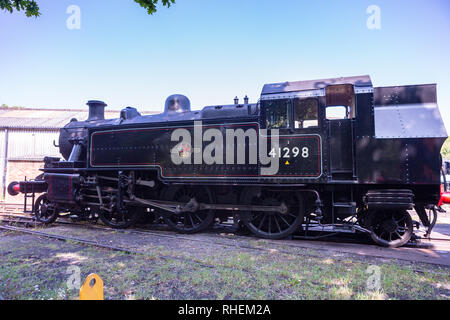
{"x": 37, "y": 270}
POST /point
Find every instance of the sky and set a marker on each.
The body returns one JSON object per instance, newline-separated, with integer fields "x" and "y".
{"x": 212, "y": 51}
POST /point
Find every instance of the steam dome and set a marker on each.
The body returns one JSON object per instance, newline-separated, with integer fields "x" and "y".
{"x": 177, "y": 103}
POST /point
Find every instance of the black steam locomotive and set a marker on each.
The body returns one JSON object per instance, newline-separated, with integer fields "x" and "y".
{"x": 332, "y": 155}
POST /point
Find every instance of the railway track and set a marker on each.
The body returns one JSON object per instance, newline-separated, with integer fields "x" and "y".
{"x": 131, "y": 251}
{"x": 125, "y": 231}
{"x": 183, "y": 258}
{"x": 22, "y": 219}
{"x": 249, "y": 271}
{"x": 9, "y": 208}
{"x": 28, "y": 221}
{"x": 65, "y": 238}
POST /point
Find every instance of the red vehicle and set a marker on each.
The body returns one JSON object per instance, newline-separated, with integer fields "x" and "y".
{"x": 445, "y": 180}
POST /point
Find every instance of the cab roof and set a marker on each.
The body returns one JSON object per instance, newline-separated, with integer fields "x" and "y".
{"x": 357, "y": 81}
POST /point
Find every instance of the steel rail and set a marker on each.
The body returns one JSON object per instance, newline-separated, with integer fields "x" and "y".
{"x": 140, "y": 231}
{"x": 131, "y": 251}
{"x": 176, "y": 237}
{"x": 120, "y": 249}
{"x": 67, "y": 238}
{"x": 166, "y": 257}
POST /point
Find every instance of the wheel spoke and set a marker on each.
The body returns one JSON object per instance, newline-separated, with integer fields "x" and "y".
{"x": 189, "y": 222}
{"x": 276, "y": 222}
{"x": 284, "y": 220}
{"x": 192, "y": 220}
{"x": 261, "y": 222}
{"x": 391, "y": 228}
{"x": 198, "y": 218}
{"x": 255, "y": 217}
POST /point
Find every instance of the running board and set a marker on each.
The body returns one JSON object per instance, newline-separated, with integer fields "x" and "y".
{"x": 193, "y": 206}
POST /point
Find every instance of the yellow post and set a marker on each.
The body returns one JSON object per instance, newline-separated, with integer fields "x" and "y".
{"x": 92, "y": 288}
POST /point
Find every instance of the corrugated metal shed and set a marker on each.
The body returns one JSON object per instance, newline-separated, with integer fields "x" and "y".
{"x": 32, "y": 144}
{"x": 2, "y": 154}
{"x": 31, "y": 132}
{"x": 45, "y": 118}
{"x": 27, "y": 135}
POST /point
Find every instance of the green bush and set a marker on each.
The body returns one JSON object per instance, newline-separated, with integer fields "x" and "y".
{"x": 445, "y": 151}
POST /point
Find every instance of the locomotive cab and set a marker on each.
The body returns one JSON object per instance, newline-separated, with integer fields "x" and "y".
{"x": 330, "y": 109}
{"x": 379, "y": 147}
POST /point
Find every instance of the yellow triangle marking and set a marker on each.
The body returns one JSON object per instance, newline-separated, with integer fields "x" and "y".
{"x": 287, "y": 163}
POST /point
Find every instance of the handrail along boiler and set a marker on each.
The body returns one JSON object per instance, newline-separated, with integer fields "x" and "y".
{"x": 351, "y": 158}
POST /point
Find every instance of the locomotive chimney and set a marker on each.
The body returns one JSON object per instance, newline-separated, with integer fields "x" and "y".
{"x": 236, "y": 100}
{"x": 96, "y": 110}
{"x": 246, "y": 99}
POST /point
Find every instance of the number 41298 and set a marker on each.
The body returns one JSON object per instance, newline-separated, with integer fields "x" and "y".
{"x": 286, "y": 152}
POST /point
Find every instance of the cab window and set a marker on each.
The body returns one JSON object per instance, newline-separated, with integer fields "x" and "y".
{"x": 340, "y": 102}
{"x": 306, "y": 113}
{"x": 337, "y": 113}
{"x": 277, "y": 115}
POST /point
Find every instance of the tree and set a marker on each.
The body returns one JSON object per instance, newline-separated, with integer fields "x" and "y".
{"x": 31, "y": 8}
{"x": 150, "y": 5}
{"x": 445, "y": 151}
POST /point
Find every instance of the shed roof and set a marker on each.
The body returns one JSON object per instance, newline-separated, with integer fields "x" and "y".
{"x": 30, "y": 118}
{"x": 357, "y": 81}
